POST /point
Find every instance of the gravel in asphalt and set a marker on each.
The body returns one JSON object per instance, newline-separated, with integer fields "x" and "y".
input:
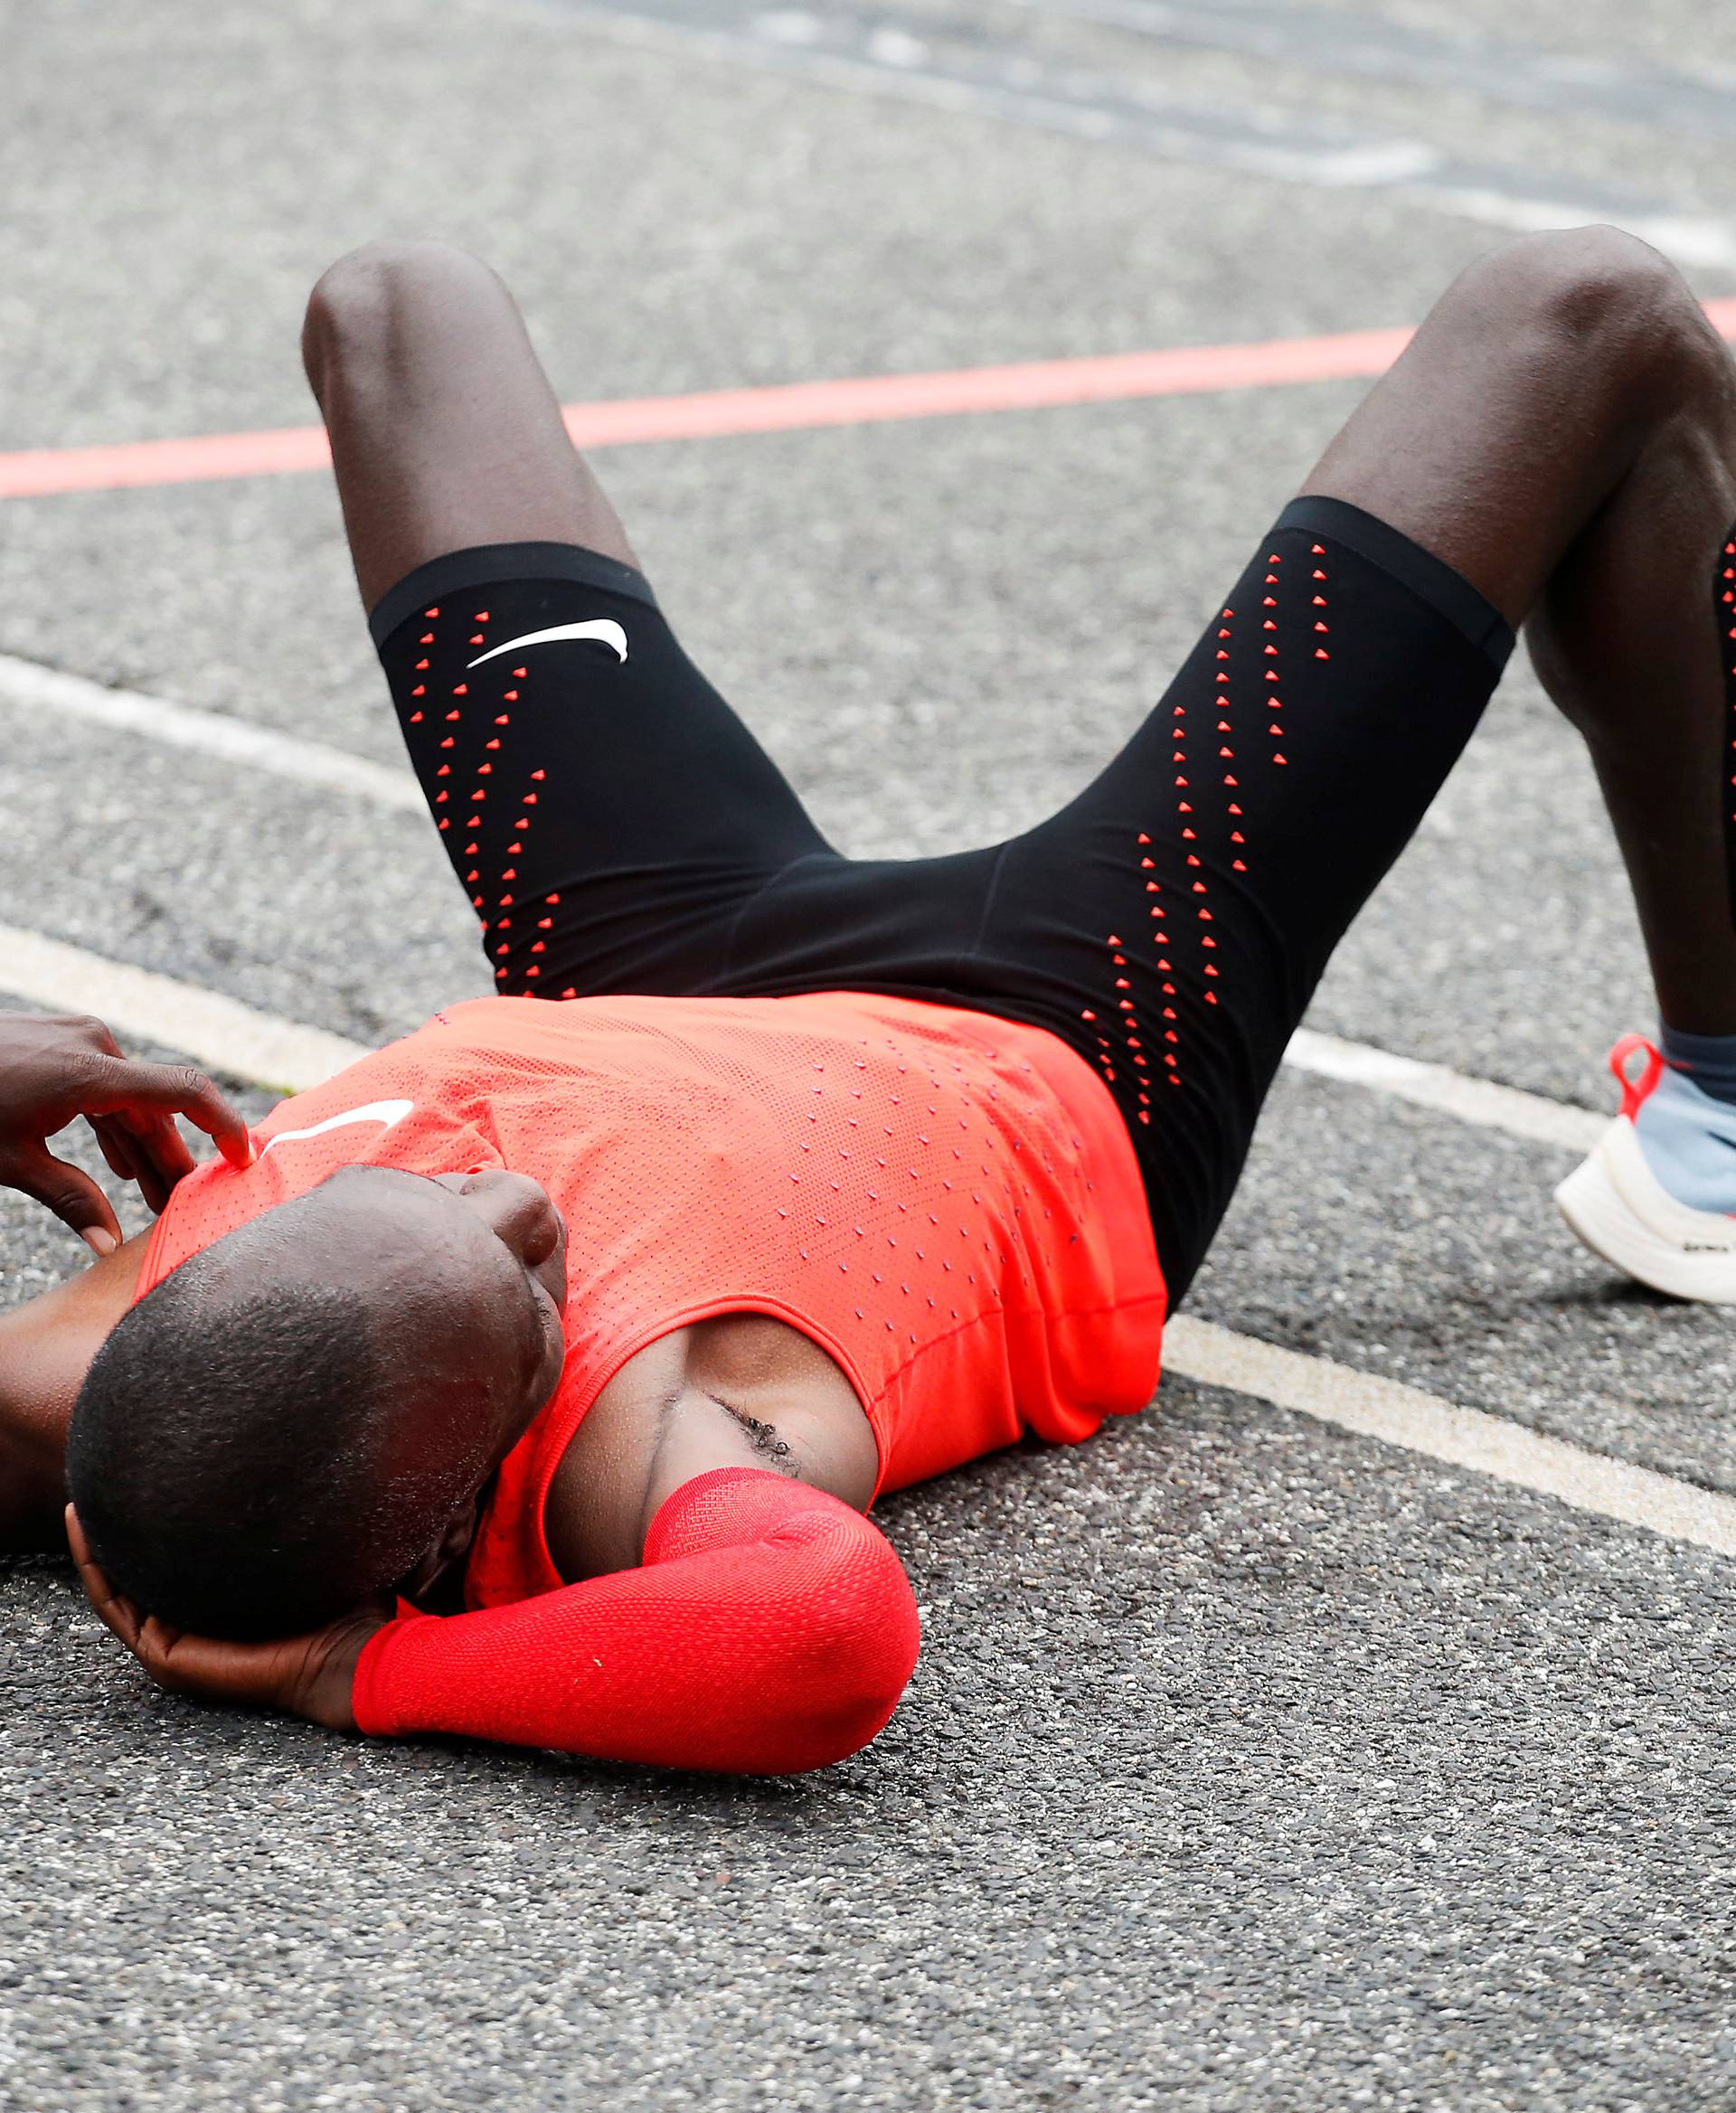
{"x": 1249, "y": 1766}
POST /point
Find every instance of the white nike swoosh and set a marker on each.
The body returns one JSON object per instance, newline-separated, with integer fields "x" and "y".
{"x": 604, "y": 629}
{"x": 376, "y": 1111}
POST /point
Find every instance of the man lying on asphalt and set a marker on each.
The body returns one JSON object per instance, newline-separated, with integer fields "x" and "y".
{"x": 589, "y": 1319}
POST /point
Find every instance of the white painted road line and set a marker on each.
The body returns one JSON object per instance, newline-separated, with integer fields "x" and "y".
{"x": 1481, "y": 1101}
{"x": 1490, "y": 1107}
{"x": 228, "y": 1037}
{"x": 1372, "y": 45}
{"x": 236, "y": 1039}
{"x": 246, "y": 1043}
{"x": 212, "y": 733}
{"x": 924, "y": 59}
{"x": 1463, "y": 1438}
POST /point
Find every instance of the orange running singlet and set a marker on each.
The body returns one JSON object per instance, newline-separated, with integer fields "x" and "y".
{"x": 946, "y": 1202}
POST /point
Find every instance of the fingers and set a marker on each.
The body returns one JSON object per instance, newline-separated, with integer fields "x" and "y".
{"x": 113, "y": 1140}
{"x": 118, "y": 1083}
{"x": 158, "y": 1151}
{"x": 189, "y": 1093}
{"x": 145, "y": 1149}
{"x": 167, "y": 1149}
{"x": 171, "y": 1658}
{"x": 118, "y": 1616}
{"x": 153, "y": 1185}
{"x": 69, "y": 1194}
{"x": 313, "y": 1676}
{"x": 152, "y": 1642}
{"x": 99, "y": 1032}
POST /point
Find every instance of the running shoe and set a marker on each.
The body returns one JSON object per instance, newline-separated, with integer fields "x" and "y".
{"x": 1672, "y": 1237}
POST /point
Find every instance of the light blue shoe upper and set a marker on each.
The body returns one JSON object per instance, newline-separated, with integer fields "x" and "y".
{"x": 1689, "y": 1141}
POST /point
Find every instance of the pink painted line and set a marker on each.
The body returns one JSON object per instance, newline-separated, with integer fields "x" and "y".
{"x": 1277, "y": 363}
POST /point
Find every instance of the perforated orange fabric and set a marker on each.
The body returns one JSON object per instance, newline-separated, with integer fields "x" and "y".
{"x": 768, "y": 1630}
{"x": 947, "y": 1203}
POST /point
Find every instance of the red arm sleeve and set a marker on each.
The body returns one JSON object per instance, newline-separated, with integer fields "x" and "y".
{"x": 770, "y": 1629}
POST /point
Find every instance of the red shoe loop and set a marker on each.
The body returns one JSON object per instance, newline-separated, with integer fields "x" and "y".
{"x": 1633, "y": 1093}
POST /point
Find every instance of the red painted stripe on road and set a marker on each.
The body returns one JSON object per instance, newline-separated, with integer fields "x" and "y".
{"x": 781, "y": 409}
{"x": 1041, "y": 385}
{"x": 1032, "y": 386}
{"x": 35, "y": 472}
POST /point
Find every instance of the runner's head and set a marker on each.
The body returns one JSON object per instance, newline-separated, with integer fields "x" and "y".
{"x": 305, "y": 1412}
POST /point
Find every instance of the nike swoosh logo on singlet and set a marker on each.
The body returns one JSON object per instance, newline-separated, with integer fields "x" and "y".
{"x": 604, "y": 629}
{"x": 376, "y": 1111}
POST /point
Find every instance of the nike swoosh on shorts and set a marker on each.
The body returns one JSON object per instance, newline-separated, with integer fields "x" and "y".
{"x": 604, "y": 629}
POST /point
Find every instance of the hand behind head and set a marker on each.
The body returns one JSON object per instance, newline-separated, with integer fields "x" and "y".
{"x": 311, "y": 1677}
{"x": 304, "y": 1414}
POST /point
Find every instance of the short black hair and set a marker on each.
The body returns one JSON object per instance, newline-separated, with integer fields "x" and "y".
{"x": 230, "y": 1456}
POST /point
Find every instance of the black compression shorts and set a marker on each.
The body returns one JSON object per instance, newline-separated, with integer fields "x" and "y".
{"x": 618, "y": 828}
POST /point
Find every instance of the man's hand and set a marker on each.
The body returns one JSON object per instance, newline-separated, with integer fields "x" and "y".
{"x": 53, "y": 1069}
{"x": 311, "y": 1677}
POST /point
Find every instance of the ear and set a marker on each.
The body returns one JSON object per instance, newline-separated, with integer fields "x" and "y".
{"x": 446, "y": 1555}
{"x": 454, "y": 1543}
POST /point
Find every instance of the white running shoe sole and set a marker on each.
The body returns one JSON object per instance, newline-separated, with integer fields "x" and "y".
{"x": 1618, "y": 1208}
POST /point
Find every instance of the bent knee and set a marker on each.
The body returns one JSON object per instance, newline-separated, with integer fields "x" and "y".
{"x": 1593, "y": 291}
{"x": 361, "y": 303}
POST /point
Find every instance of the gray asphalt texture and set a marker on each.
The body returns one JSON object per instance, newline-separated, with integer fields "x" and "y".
{"x": 1248, "y": 1766}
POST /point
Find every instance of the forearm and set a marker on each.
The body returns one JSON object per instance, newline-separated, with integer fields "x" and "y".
{"x": 776, "y": 1643}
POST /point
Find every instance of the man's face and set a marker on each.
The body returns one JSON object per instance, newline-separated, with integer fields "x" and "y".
{"x": 464, "y": 1279}
{"x": 467, "y": 1272}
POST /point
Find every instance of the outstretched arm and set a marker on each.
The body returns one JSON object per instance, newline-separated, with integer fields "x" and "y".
{"x": 770, "y": 1629}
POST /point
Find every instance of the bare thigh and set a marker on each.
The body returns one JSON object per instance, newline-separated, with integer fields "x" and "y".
{"x": 445, "y": 431}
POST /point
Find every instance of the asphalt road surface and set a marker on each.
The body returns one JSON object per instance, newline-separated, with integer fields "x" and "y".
{"x": 1253, "y": 1762}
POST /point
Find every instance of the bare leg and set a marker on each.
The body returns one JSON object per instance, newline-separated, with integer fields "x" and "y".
{"x": 647, "y": 821}
{"x": 445, "y": 432}
{"x": 1562, "y": 431}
